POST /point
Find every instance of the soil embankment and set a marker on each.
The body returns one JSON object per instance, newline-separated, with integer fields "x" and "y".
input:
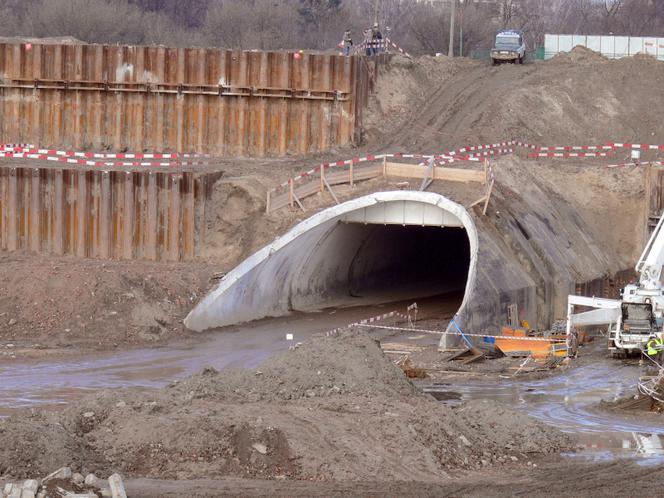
{"x": 51, "y": 302}
{"x": 580, "y": 98}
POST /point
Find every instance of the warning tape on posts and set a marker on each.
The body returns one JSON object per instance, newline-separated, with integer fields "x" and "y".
{"x": 398, "y": 48}
{"x": 441, "y": 332}
{"x": 570, "y": 154}
{"x": 84, "y": 162}
{"x": 383, "y": 44}
{"x": 570, "y": 148}
{"x": 367, "y": 321}
{"x": 636, "y": 146}
{"x": 100, "y": 155}
{"x": 475, "y": 151}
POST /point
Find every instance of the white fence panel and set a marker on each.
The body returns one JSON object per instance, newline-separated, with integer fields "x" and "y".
{"x": 621, "y": 47}
{"x": 565, "y": 43}
{"x": 650, "y": 46}
{"x": 635, "y": 45}
{"x": 550, "y": 46}
{"x": 579, "y": 40}
{"x": 594, "y": 43}
{"x": 610, "y": 46}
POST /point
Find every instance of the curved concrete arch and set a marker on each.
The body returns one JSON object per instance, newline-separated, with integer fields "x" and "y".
{"x": 287, "y": 273}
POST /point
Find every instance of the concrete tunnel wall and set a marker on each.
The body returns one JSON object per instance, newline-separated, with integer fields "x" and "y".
{"x": 304, "y": 270}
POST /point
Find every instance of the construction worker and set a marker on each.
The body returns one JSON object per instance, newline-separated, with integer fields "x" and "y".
{"x": 655, "y": 347}
{"x": 376, "y": 39}
{"x": 367, "y": 42}
{"x": 347, "y": 42}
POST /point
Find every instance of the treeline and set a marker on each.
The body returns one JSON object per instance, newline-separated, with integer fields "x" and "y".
{"x": 420, "y": 27}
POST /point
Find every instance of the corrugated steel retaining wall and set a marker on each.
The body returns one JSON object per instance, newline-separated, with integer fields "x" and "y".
{"x": 107, "y": 214}
{"x": 220, "y": 102}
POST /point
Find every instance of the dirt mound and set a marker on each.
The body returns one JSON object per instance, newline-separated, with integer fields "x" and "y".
{"x": 61, "y": 301}
{"x": 579, "y": 54}
{"x": 319, "y": 368}
{"x": 335, "y": 408}
{"x": 579, "y": 98}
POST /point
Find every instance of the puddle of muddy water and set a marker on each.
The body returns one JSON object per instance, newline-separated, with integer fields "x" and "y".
{"x": 51, "y": 383}
{"x": 568, "y": 401}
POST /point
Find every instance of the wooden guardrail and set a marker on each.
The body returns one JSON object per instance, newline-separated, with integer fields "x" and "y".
{"x": 325, "y": 177}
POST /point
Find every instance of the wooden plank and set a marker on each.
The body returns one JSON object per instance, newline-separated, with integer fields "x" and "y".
{"x": 488, "y": 196}
{"x": 449, "y": 174}
{"x": 306, "y": 190}
{"x": 331, "y": 191}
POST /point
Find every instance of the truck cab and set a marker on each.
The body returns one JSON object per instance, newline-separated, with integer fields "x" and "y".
{"x": 510, "y": 46}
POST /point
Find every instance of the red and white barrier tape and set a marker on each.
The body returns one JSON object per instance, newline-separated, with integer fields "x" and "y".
{"x": 101, "y": 164}
{"x": 30, "y": 149}
{"x": 570, "y": 154}
{"x": 442, "y": 332}
{"x": 383, "y": 44}
{"x": 367, "y": 321}
{"x": 398, "y": 48}
{"x": 103, "y": 155}
{"x": 569, "y": 148}
{"x": 474, "y": 151}
{"x": 526, "y": 146}
{"x": 636, "y": 146}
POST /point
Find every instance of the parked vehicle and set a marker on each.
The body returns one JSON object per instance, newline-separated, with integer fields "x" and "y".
{"x": 510, "y": 46}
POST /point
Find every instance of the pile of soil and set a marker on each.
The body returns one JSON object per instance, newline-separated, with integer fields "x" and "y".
{"x": 581, "y": 98}
{"x": 579, "y": 54}
{"x": 58, "y": 302}
{"x": 333, "y": 409}
{"x": 639, "y": 402}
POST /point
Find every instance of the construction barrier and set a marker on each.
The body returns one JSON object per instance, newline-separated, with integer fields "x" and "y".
{"x": 382, "y": 46}
{"x": 28, "y": 151}
{"x": 468, "y": 153}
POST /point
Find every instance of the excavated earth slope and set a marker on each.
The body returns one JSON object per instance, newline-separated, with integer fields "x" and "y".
{"x": 580, "y": 98}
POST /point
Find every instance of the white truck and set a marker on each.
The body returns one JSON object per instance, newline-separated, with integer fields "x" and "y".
{"x": 637, "y": 317}
{"x": 510, "y": 46}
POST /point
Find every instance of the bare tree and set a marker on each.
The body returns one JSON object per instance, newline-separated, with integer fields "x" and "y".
{"x": 87, "y": 20}
{"x": 261, "y": 24}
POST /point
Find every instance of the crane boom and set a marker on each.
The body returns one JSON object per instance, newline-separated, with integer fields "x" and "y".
{"x": 651, "y": 260}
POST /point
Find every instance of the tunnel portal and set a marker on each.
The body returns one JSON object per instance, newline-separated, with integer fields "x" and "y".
{"x": 385, "y": 247}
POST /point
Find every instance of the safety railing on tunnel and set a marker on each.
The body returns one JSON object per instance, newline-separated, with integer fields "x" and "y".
{"x": 324, "y": 176}
{"x": 349, "y": 171}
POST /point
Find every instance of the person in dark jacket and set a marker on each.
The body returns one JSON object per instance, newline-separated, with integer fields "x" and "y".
{"x": 347, "y": 42}
{"x": 376, "y": 39}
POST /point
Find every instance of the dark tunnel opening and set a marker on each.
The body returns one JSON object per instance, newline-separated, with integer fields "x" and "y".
{"x": 398, "y": 263}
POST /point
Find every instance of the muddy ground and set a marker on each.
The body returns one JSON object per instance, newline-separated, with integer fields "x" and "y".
{"x": 290, "y": 428}
{"x": 295, "y": 417}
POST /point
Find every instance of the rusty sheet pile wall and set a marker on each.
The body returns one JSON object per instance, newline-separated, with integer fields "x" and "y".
{"x": 107, "y": 214}
{"x": 221, "y": 102}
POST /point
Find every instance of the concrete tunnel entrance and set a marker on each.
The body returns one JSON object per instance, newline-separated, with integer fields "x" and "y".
{"x": 384, "y": 247}
{"x": 389, "y": 263}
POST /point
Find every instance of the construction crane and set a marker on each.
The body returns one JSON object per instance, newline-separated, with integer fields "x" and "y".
{"x": 637, "y": 317}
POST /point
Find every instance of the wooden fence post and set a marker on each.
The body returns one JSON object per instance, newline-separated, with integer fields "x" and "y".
{"x": 267, "y": 203}
{"x": 291, "y": 195}
{"x": 351, "y": 173}
{"x": 322, "y": 178}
